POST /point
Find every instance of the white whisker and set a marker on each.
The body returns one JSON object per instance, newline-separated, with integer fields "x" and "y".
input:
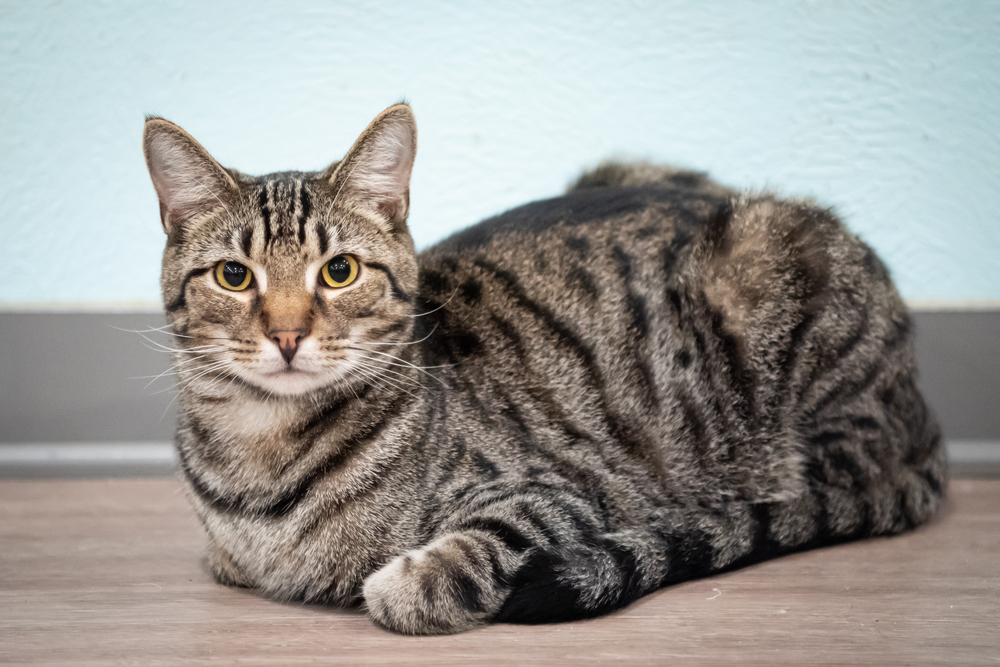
{"x": 422, "y": 369}
{"x": 402, "y": 344}
{"x": 439, "y": 307}
{"x": 374, "y": 366}
{"x": 382, "y": 378}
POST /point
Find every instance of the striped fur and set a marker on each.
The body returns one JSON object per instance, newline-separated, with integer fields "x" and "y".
{"x": 543, "y": 417}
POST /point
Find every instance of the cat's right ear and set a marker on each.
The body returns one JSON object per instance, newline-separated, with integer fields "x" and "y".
{"x": 188, "y": 181}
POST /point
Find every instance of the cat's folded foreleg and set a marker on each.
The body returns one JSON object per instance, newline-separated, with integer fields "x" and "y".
{"x": 455, "y": 583}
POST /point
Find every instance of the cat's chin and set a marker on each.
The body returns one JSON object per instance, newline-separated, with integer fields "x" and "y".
{"x": 291, "y": 382}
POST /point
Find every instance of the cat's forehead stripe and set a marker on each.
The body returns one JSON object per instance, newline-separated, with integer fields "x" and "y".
{"x": 321, "y": 237}
{"x": 246, "y": 240}
{"x": 303, "y": 211}
{"x": 262, "y": 204}
{"x": 285, "y": 206}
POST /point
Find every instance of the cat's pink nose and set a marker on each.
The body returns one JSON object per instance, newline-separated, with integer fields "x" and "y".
{"x": 287, "y": 342}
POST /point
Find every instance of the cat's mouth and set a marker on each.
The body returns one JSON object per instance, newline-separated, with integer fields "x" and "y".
{"x": 290, "y": 381}
{"x": 288, "y": 371}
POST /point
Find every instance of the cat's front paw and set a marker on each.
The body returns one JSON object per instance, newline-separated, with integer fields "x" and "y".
{"x": 445, "y": 587}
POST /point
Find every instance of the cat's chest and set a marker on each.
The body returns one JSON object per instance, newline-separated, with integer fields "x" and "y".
{"x": 251, "y": 433}
{"x": 321, "y": 549}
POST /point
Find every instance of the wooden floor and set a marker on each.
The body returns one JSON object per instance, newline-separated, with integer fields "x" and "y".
{"x": 98, "y": 572}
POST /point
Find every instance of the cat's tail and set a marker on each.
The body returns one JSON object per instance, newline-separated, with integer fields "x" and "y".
{"x": 618, "y": 174}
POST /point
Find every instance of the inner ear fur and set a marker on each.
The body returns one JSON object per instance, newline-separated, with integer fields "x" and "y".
{"x": 376, "y": 171}
{"x": 188, "y": 181}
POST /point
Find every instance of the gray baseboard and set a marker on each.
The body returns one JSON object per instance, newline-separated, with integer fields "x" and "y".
{"x": 82, "y": 377}
{"x": 958, "y": 354}
{"x": 968, "y": 459}
{"x": 86, "y": 460}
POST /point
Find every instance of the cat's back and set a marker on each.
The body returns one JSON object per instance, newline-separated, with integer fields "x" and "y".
{"x": 635, "y": 201}
{"x": 575, "y": 255}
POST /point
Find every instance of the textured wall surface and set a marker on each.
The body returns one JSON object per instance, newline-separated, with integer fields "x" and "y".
{"x": 888, "y": 110}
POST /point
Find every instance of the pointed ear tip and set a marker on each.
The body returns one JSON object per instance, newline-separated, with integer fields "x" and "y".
{"x": 156, "y": 127}
{"x": 156, "y": 121}
{"x": 402, "y": 111}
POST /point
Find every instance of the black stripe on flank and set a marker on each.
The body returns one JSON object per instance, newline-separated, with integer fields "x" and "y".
{"x": 846, "y": 388}
{"x": 570, "y": 340}
{"x": 826, "y": 438}
{"x": 845, "y": 462}
{"x": 865, "y": 423}
{"x": 484, "y": 465}
{"x": 538, "y": 389}
{"x": 675, "y": 300}
{"x": 503, "y": 531}
{"x": 181, "y": 301}
{"x": 900, "y": 333}
{"x": 832, "y": 360}
{"x": 493, "y": 556}
{"x": 262, "y": 203}
{"x": 695, "y": 427}
{"x": 303, "y": 212}
{"x": 854, "y": 339}
{"x": 640, "y": 328}
{"x": 433, "y": 281}
{"x": 526, "y": 512}
{"x": 717, "y": 229}
{"x": 471, "y": 291}
{"x": 397, "y": 292}
{"x": 581, "y": 477}
{"x": 624, "y": 262}
{"x": 579, "y": 279}
{"x": 741, "y": 377}
{"x": 563, "y": 332}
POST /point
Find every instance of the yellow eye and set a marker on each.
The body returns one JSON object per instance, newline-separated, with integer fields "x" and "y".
{"x": 233, "y": 276}
{"x": 340, "y": 271}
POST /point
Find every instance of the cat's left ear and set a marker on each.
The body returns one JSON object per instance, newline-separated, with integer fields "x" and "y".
{"x": 188, "y": 181}
{"x": 376, "y": 171}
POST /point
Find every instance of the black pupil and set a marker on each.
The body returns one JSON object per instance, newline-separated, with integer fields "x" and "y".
{"x": 339, "y": 269}
{"x": 234, "y": 274}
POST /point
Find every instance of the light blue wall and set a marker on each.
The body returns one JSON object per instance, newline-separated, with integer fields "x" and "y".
{"x": 888, "y": 110}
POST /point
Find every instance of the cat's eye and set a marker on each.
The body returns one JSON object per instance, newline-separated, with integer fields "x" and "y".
{"x": 233, "y": 276}
{"x": 340, "y": 271}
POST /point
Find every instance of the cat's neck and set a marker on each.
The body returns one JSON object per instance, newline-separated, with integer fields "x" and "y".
{"x": 251, "y": 428}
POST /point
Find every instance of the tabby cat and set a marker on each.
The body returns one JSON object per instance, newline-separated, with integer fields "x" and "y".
{"x": 543, "y": 417}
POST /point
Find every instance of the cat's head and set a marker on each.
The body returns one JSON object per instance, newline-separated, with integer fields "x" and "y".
{"x": 285, "y": 281}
